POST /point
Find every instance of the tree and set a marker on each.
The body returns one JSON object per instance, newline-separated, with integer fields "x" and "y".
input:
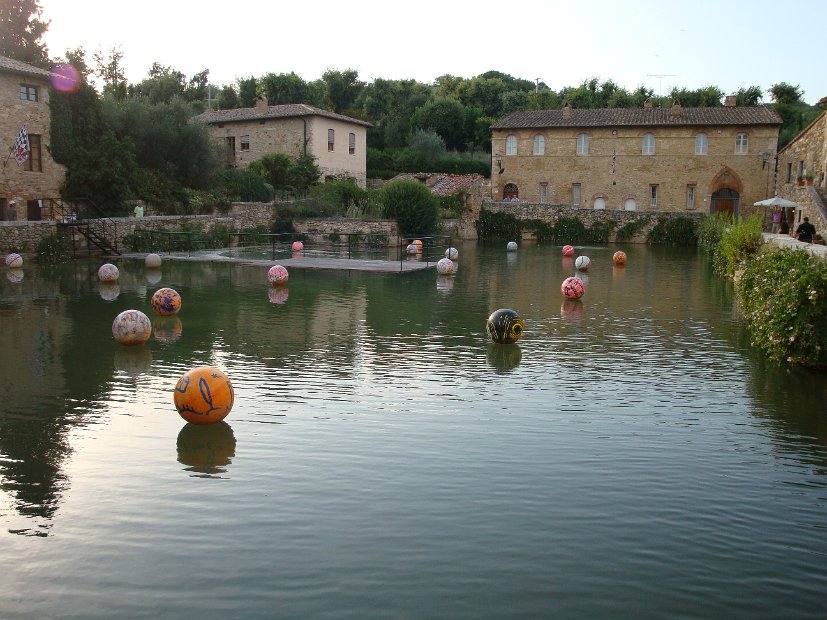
{"x": 412, "y": 205}
{"x": 445, "y": 116}
{"x": 284, "y": 88}
{"x": 429, "y": 145}
{"x": 748, "y": 96}
{"x": 110, "y": 70}
{"x": 247, "y": 92}
{"x": 228, "y": 98}
{"x": 21, "y": 30}
{"x": 343, "y": 88}
{"x": 786, "y": 93}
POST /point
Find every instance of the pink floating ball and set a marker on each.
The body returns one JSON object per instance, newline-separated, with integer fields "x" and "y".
{"x": 573, "y": 288}
{"x": 14, "y": 261}
{"x": 131, "y": 327}
{"x": 166, "y": 301}
{"x": 619, "y": 258}
{"x": 108, "y": 273}
{"x": 297, "y": 246}
{"x": 568, "y": 250}
{"x": 277, "y": 275}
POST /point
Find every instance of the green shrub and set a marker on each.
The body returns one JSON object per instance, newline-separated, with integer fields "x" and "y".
{"x": 282, "y": 222}
{"x": 336, "y": 197}
{"x": 674, "y": 231}
{"x": 52, "y": 250}
{"x": 412, "y": 205}
{"x": 497, "y": 226}
{"x": 739, "y": 240}
{"x": 783, "y": 297}
{"x": 630, "y": 229}
{"x": 710, "y": 230}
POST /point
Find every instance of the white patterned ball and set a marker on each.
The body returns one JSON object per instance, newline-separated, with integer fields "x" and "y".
{"x": 131, "y": 327}
{"x": 153, "y": 261}
{"x": 108, "y": 273}
{"x": 445, "y": 266}
{"x": 15, "y": 261}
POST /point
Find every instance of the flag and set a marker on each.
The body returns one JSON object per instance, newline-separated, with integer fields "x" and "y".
{"x": 21, "y": 146}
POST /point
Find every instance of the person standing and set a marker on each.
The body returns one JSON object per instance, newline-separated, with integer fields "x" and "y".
{"x": 805, "y": 231}
{"x": 11, "y": 212}
{"x": 139, "y": 208}
{"x": 776, "y": 220}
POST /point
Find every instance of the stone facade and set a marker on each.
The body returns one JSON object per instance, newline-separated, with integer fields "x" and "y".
{"x": 24, "y": 99}
{"x": 536, "y": 158}
{"x": 806, "y": 156}
{"x": 338, "y": 142}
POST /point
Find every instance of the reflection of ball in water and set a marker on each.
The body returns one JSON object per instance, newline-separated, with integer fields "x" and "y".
{"x": 108, "y": 273}
{"x": 166, "y": 301}
{"x": 167, "y": 329}
{"x": 131, "y": 327}
{"x": 152, "y": 261}
{"x": 14, "y": 275}
{"x": 14, "y": 261}
{"x": 571, "y": 309}
{"x": 204, "y": 395}
{"x": 582, "y": 276}
{"x": 445, "y": 266}
{"x": 153, "y": 276}
{"x": 65, "y": 78}
{"x": 504, "y": 359}
{"x": 412, "y": 248}
{"x": 619, "y": 258}
{"x": 504, "y": 326}
{"x": 109, "y": 291}
{"x": 452, "y": 253}
{"x": 573, "y": 288}
{"x": 277, "y": 274}
{"x": 297, "y": 246}
{"x": 277, "y": 294}
{"x": 133, "y": 361}
{"x": 206, "y": 449}
{"x": 568, "y": 250}
{"x": 511, "y": 246}
{"x": 583, "y": 263}
{"x": 444, "y": 284}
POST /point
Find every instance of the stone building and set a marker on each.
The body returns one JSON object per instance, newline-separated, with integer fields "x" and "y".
{"x": 802, "y": 167}
{"x": 337, "y": 142}
{"x": 24, "y": 99}
{"x": 675, "y": 159}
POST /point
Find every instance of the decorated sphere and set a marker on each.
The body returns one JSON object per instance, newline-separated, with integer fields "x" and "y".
{"x": 511, "y": 246}
{"x": 445, "y": 266}
{"x": 573, "y": 288}
{"x": 582, "y": 263}
{"x": 418, "y": 243}
{"x": 166, "y": 301}
{"x": 452, "y": 253}
{"x": 131, "y": 327}
{"x": 413, "y": 248}
{"x": 152, "y": 261}
{"x": 15, "y": 276}
{"x": 277, "y": 275}
{"x": 568, "y": 250}
{"x": 108, "y": 273}
{"x": 15, "y": 261}
{"x": 204, "y": 395}
{"x": 619, "y": 258}
{"x": 297, "y": 246}
{"x": 505, "y": 326}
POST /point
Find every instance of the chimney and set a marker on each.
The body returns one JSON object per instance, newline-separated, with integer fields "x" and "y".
{"x": 729, "y": 101}
{"x": 677, "y": 110}
{"x": 567, "y": 112}
{"x": 647, "y": 105}
{"x": 261, "y": 104}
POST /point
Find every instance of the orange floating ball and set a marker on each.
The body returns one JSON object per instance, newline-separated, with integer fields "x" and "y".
{"x": 204, "y": 395}
{"x": 619, "y": 258}
{"x": 166, "y": 301}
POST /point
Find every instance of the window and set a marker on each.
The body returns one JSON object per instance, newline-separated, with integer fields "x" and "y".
{"x": 539, "y": 144}
{"x": 599, "y": 203}
{"x": 28, "y": 92}
{"x": 789, "y": 172}
{"x": 351, "y": 143}
{"x": 701, "y": 144}
{"x": 544, "y": 193}
{"x": 330, "y": 139}
{"x": 582, "y": 144}
{"x": 34, "y": 163}
{"x": 690, "y": 196}
{"x": 653, "y": 196}
{"x": 648, "y": 144}
{"x": 741, "y": 143}
{"x": 511, "y": 145}
{"x": 630, "y": 205}
{"x": 575, "y": 194}
{"x": 801, "y": 168}
{"x": 245, "y": 143}
{"x": 229, "y": 143}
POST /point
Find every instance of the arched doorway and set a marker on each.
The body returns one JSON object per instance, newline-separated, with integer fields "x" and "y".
{"x": 725, "y": 200}
{"x": 511, "y": 192}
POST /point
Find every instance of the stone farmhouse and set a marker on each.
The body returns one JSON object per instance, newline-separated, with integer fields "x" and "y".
{"x": 702, "y": 160}
{"x": 338, "y": 142}
{"x": 24, "y": 98}
{"x": 802, "y": 167}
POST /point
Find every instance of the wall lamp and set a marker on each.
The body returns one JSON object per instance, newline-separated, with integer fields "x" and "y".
{"x": 499, "y": 159}
{"x": 765, "y": 159}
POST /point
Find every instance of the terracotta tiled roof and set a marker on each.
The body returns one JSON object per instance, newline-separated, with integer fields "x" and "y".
{"x": 640, "y": 117}
{"x": 290, "y": 110}
{"x": 441, "y": 184}
{"x": 15, "y": 66}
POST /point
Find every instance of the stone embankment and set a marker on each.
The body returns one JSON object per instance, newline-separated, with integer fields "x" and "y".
{"x": 788, "y": 243}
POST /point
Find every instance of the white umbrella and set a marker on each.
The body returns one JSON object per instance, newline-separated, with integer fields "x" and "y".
{"x": 776, "y": 202}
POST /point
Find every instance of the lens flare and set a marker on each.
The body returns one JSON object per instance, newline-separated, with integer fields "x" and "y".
{"x": 65, "y": 78}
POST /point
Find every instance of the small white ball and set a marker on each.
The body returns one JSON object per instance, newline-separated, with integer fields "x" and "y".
{"x": 452, "y": 253}
{"x": 445, "y": 266}
{"x": 512, "y": 246}
{"x": 14, "y": 261}
{"x": 153, "y": 261}
{"x": 582, "y": 263}
{"x": 108, "y": 273}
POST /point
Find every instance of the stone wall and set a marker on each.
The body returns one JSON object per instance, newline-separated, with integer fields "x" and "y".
{"x": 23, "y": 237}
{"x": 806, "y": 154}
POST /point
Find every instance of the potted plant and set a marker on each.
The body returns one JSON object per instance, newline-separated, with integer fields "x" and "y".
{"x": 799, "y": 181}
{"x": 808, "y": 179}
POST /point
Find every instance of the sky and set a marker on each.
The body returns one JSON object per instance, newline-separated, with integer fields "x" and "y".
{"x": 725, "y": 43}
